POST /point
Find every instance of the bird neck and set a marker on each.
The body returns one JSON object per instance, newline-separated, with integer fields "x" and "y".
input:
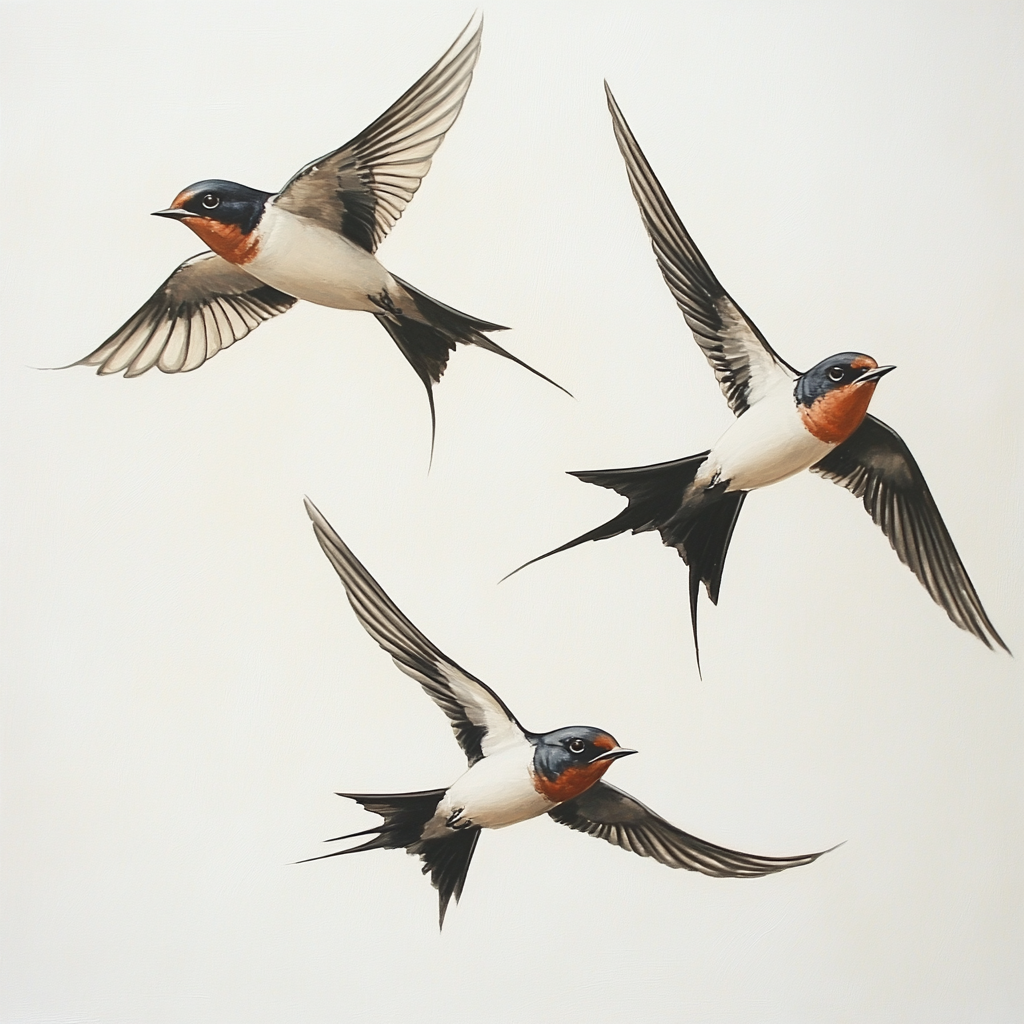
{"x": 834, "y": 416}
{"x": 569, "y": 782}
{"x": 226, "y": 240}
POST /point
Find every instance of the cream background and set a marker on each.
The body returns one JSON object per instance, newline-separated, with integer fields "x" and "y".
{"x": 185, "y": 684}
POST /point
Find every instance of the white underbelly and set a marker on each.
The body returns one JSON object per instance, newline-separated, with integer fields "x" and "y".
{"x": 496, "y": 792}
{"x": 765, "y": 445}
{"x": 310, "y": 262}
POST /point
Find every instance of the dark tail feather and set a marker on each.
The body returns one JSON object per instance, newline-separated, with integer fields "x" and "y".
{"x": 452, "y": 320}
{"x": 619, "y": 524}
{"x": 703, "y": 544}
{"x": 405, "y": 814}
{"x": 654, "y": 493}
{"x": 427, "y": 351}
{"x": 447, "y": 860}
{"x": 428, "y": 345}
{"x": 700, "y": 530}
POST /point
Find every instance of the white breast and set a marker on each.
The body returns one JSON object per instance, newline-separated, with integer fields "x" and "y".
{"x": 497, "y": 791}
{"x": 300, "y": 257}
{"x": 768, "y": 443}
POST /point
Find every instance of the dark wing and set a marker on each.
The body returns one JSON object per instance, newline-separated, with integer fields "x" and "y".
{"x": 875, "y": 464}
{"x": 481, "y": 722}
{"x": 362, "y": 189}
{"x": 745, "y": 365}
{"x": 206, "y": 305}
{"x": 610, "y": 814}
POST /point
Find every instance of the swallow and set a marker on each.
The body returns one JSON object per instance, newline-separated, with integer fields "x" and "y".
{"x": 786, "y": 422}
{"x": 315, "y": 240}
{"x": 513, "y": 774}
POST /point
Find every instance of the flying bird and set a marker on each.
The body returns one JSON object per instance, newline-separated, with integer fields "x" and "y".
{"x": 316, "y": 240}
{"x": 513, "y": 774}
{"x": 786, "y": 422}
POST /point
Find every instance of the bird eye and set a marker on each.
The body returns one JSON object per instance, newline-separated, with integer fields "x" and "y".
{"x": 836, "y": 374}
{"x": 577, "y": 746}
{"x": 210, "y": 201}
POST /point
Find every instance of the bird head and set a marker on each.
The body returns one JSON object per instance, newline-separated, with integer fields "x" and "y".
{"x": 569, "y": 761}
{"x": 833, "y": 397}
{"x": 223, "y": 214}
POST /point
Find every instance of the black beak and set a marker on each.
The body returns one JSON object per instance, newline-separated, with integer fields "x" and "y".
{"x": 876, "y": 374}
{"x": 174, "y": 214}
{"x": 612, "y": 755}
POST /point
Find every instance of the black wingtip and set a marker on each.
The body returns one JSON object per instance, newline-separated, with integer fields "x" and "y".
{"x": 613, "y": 104}
{"x": 465, "y": 37}
{"x": 315, "y": 515}
{"x": 999, "y": 640}
{"x": 810, "y": 858}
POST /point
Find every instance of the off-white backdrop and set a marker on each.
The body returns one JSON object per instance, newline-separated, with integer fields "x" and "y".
{"x": 185, "y": 684}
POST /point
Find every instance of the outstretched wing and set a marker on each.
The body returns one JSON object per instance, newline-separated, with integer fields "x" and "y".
{"x": 480, "y": 720}
{"x": 361, "y": 189}
{"x": 610, "y": 814}
{"x": 206, "y": 305}
{"x": 745, "y": 365}
{"x": 875, "y": 464}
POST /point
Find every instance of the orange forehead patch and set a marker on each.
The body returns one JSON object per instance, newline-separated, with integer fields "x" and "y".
{"x": 225, "y": 240}
{"x": 605, "y": 742}
{"x": 863, "y": 363}
{"x": 181, "y": 199}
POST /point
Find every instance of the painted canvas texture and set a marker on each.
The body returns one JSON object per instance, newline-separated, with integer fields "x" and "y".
{"x": 185, "y": 687}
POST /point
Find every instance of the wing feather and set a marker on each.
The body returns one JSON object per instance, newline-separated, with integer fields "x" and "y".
{"x": 361, "y": 189}
{"x": 479, "y": 718}
{"x": 745, "y": 365}
{"x": 173, "y": 355}
{"x": 207, "y": 304}
{"x": 875, "y": 464}
{"x": 610, "y": 814}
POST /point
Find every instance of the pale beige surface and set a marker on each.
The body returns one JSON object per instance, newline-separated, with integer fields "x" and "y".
{"x": 185, "y": 684}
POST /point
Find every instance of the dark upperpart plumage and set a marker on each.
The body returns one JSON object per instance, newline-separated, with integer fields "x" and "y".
{"x": 223, "y": 201}
{"x": 572, "y": 747}
{"x": 835, "y": 372}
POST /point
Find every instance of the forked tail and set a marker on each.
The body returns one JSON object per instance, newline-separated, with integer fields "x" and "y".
{"x": 446, "y": 859}
{"x": 699, "y": 528}
{"x": 428, "y": 342}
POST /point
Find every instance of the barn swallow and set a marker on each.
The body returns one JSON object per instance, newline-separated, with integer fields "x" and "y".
{"x": 513, "y": 774}
{"x": 786, "y": 422}
{"x": 315, "y": 239}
